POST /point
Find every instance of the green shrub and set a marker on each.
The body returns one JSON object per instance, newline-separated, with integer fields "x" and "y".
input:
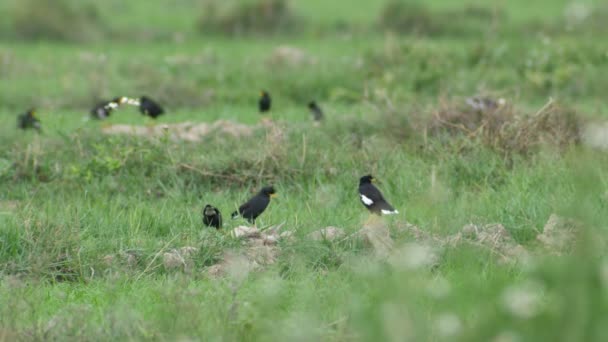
{"x": 250, "y": 17}
{"x": 413, "y": 17}
{"x": 60, "y": 20}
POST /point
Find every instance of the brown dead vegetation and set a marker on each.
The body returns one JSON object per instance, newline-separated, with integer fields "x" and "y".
{"x": 508, "y": 130}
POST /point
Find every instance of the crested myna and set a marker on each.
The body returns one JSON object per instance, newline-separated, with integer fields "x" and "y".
{"x": 315, "y": 110}
{"x": 28, "y": 120}
{"x": 149, "y": 107}
{"x": 212, "y": 217}
{"x": 256, "y": 205}
{"x": 103, "y": 109}
{"x": 372, "y": 198}
{"x": 264, "y": 102}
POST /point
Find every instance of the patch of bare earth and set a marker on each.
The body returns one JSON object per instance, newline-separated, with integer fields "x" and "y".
{"x": 187, "y": 131}
{"x": 291, "y": 56}
{"x": 260, "y": 249}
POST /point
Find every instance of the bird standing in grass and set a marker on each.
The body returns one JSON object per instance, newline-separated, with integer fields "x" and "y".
{"x": 146, "y": 106}
{"x": 264, "y": 102}
{"x": 103, "y": 109}
{"x": 212, "y": 217}
{"x": 372, "y": 198}
{"x": 149, "y": 107}
{"x": 256, "y": 205}
{"x": 28, "y": 120}
{"x": 315, "y": 110}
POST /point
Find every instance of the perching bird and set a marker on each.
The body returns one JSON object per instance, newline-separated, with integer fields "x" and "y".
{"x": 315, "y": 110}
{"x": 372, "y": 198}
{"x": 483, "y": 104}
{"x": 28, "y": 120}
{"x": 149, "y": 107}
{"x": 212, "y": 217}
{"x": 256, "y": 205}
{"x": 265, "y": 102}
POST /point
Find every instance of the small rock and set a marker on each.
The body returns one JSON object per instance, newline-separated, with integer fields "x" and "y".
{"x": 328, "y": 234}
{"x": 262, "y": 255}
{"x": 108, "y": 260}
{"x": 559, "y": 234}
{"x": 494, "y": 237}
{"x": 172, "y": 260}
{"x": 246, "y": 232}
{"x": 180, "y": 259}
{"x": 216, "y": 271}
{"x": 377, "y": 236}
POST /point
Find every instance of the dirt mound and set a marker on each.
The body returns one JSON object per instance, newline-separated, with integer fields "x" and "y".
{"x": 181, "y": 258}
{"x": 493, "y": 237}
{"x": 377, "y": 237}
{"x": 186, "y": 131}
{"x": 259, "y": 249}
{"x": 290, "y": 56}
{"x": 559, "y": 234}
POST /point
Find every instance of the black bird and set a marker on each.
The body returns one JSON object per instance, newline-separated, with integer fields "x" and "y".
{"x": 28, "y": 120}
{"x": 103, "y": 109}
{"x": 372, "y": 198}
{"x": 265, "y": 102}
{"x": 212, "y": 217}
{"x": 315, "y": 110}
{"x": 256, "y": 205}
{"x": 149, "y": 107}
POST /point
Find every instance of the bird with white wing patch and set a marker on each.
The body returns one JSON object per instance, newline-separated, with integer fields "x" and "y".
{"x": 372, "y": 198}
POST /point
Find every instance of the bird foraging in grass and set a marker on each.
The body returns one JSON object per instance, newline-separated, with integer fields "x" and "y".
{"x": 265, "y": 102}
{"x": 103, "y": 109}
{"x": 149, "y": 107}
{"x": 28, "y": 120}
{"x": 212, "y": 217}
{"x": 315, "y": 110}
{"x": 146, "y": 106}
{"x": 256, "y": 205}
{"x": 372, "y": 198}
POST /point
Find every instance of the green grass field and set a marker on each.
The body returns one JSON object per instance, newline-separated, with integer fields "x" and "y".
{"x": 87, "y": 219}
